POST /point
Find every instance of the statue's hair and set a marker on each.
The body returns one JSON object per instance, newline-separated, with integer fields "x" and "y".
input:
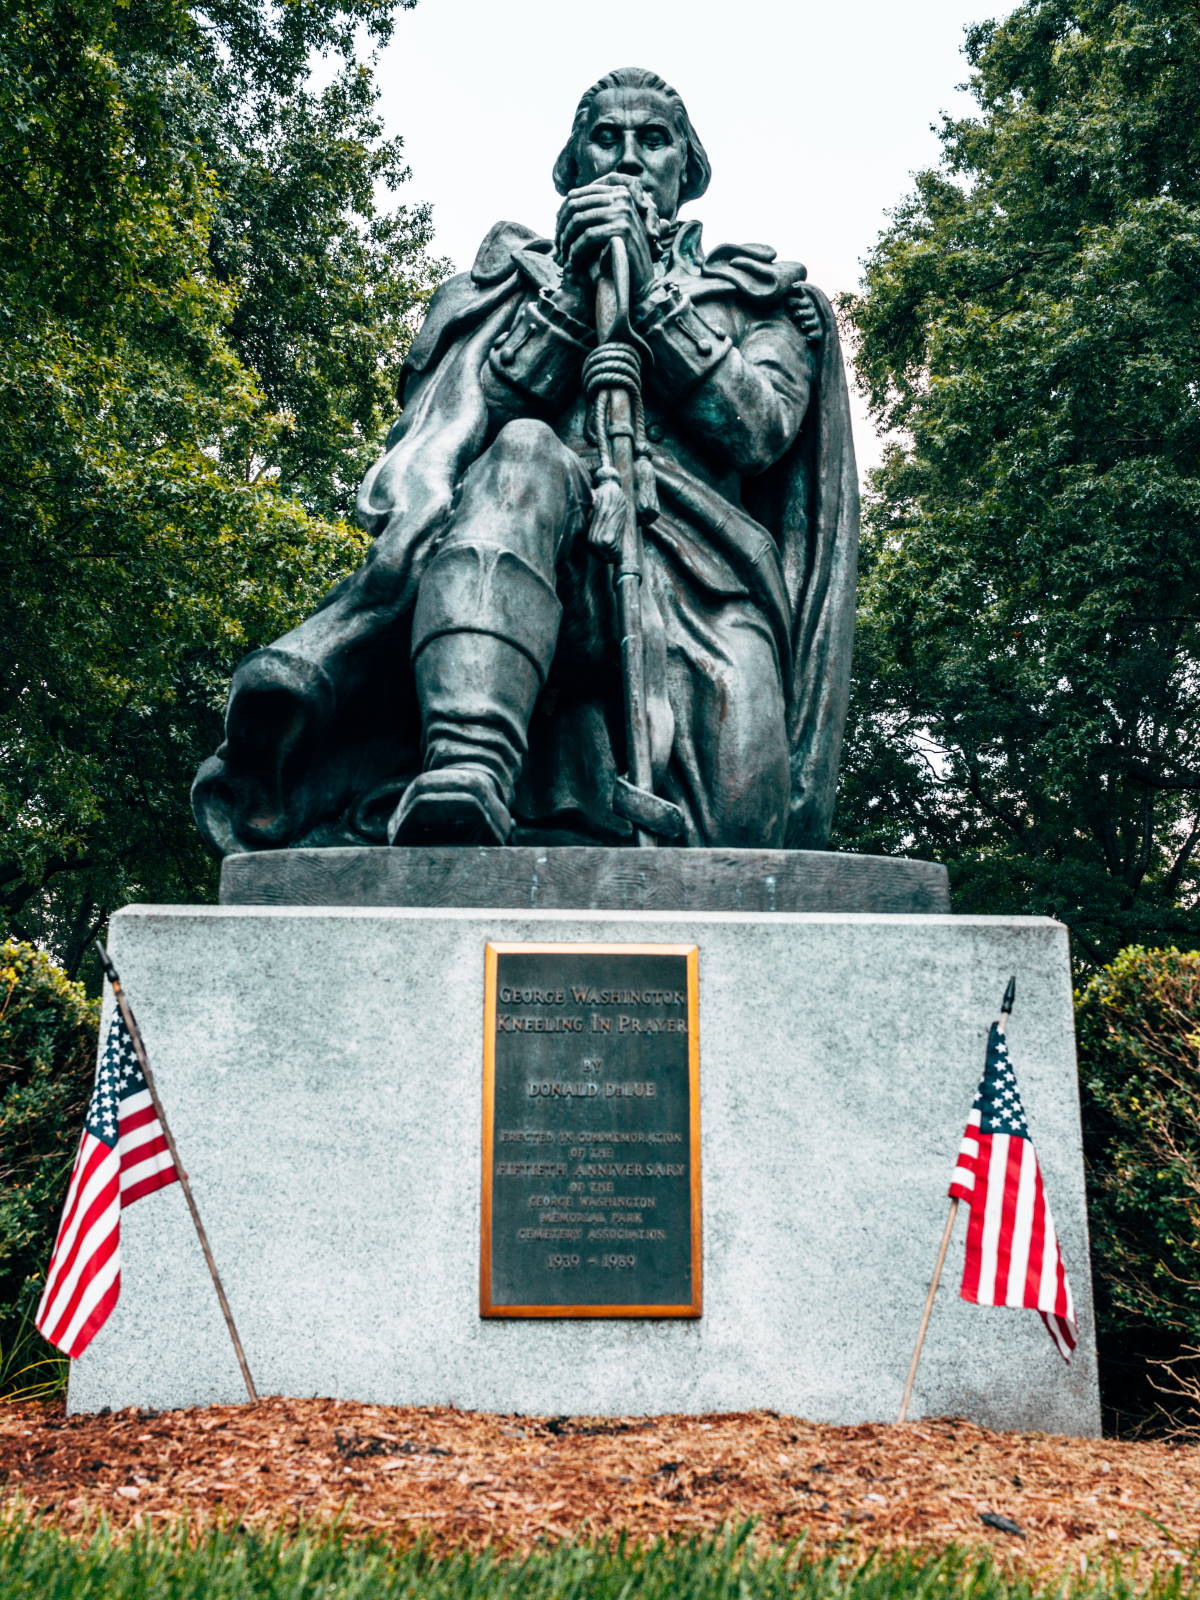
{"x": 696, "y": 173}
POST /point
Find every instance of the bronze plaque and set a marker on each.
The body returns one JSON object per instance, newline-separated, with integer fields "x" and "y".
{"x": 591, "y": 1132}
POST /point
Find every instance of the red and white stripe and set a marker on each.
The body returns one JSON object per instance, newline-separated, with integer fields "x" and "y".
{"x": 146, "y": 1163}
{"x": 1012, "y": 1253}
{"x": 84, "y": 1280}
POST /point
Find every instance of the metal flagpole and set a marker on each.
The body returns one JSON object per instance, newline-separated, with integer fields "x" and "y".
{"x": 110, "y": 972}
{"x": 1006, "y": 1006}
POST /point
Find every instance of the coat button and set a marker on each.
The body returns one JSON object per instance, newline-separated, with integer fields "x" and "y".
{"x": 654, "y": 432}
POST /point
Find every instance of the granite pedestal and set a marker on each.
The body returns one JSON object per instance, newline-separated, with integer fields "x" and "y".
{"x": 322, "y": 1068}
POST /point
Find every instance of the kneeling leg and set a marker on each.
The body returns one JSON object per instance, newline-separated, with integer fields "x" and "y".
{"x": 484, "y": 632}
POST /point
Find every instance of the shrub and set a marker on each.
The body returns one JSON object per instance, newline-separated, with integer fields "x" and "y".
{"x": 47, "y": 1060}
{"x": 1138, "y": 1023}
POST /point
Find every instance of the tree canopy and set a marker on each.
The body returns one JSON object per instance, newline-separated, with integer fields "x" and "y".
{"x": 203, "y": 310}
{"x": 1026, "y": 703}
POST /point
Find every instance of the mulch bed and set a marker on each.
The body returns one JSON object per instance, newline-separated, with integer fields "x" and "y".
{"x": 467, "y": 1479}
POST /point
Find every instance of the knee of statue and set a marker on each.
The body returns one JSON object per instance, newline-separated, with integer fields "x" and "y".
{"x": 526, "y": 441}
{"x": 280, "y": 710}
{"x": 275, "y": 690}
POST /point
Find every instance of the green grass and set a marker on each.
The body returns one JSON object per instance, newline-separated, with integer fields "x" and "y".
{"x": 237, "y": 1565}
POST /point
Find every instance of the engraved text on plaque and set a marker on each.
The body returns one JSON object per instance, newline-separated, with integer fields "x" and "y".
{"x": 591, "y": 1161}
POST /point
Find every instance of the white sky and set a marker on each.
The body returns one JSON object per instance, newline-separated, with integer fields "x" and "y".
{"x": 813, "y": 117}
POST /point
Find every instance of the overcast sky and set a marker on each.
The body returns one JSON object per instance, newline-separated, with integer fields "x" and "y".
{"x": 813, "y": 117}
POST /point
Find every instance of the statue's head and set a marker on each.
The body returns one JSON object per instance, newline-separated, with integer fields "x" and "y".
{"x": 631, "y": 122}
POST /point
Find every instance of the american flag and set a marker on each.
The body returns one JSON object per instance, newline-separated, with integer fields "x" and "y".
{"x": 1012, "y": 1256}
{"x": 123, "y": 1155}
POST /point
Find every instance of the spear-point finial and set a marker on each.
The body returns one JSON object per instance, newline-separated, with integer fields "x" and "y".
{"x": 110, "y": 972}
{"x": 1010, "y": 994}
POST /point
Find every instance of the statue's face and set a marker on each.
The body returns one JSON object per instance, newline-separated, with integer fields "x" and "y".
{"x": 634, "y": 132}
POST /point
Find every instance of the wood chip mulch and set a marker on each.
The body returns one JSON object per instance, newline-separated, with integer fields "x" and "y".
{"x": 467, "y": 1479}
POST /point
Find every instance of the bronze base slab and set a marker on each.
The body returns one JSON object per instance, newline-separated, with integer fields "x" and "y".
{"x": 578, "y": 877}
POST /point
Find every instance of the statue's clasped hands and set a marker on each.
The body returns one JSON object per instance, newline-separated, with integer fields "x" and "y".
{"x": 613, "y": 207}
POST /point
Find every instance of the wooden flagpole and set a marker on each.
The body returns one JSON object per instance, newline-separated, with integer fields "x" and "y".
{"x": 135, "y": 1034}
{"x": 1006, "y": 1006}
{"x": 933, "y": 1289}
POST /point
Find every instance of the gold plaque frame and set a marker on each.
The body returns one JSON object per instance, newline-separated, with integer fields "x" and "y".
{"x": 493, "y": 952}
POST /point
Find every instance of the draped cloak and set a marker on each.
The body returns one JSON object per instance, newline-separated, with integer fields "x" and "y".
{"x": 323, "y": 727}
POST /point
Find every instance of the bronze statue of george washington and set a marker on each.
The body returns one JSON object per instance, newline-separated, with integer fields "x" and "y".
{"x": 465, "y": 685}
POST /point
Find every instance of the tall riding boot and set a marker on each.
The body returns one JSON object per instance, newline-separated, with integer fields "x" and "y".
{"x": 484, "y": 632}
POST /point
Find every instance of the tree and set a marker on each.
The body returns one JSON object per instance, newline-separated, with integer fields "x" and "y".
{"x": 203, "y": 311}
{"x": 1026, "y": 702}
